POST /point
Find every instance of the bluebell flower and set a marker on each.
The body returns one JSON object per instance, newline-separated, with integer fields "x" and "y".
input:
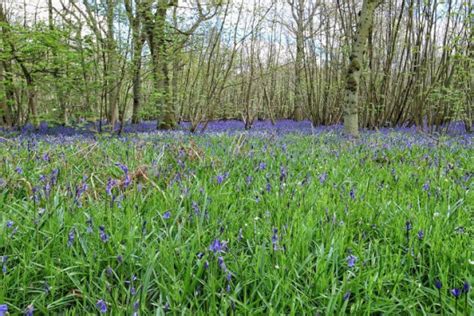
{"x": 167, "y": 215}
{"x": 101, "y": 306}
{"x": 456, "y": 292}
{"x": 466, "y": 287}
{"x": 218, "y": 246}
{"x": 136, "y": 306}
{"x": 29, "y": 310}
{"x": 352, "y": 193}
{"x": 221, "y": 263}
{"x": 195, "y": 208}
{"x": 283, "y": 173}
{"x": 3, "y": 309}
{"x": 268, "y": 187}
{"x": 127, "y": 181}
{"x": 421, "y": 234}
{"x": 220, "y": 178}
{"x": 103, "y": 236}
{"x": 19, "y": 170}
{"x": 426, "y": 186}
{"x": 10, "y": 224}
{"x": 438, "y": 284}
{"x": 123, "y": 167}
{"x": 275, "y": 239}
{"x": 346, "y": 296}
{"x": 262, "y": 166}
{"x": 111, "y": 183}
{"x": 71, "y": 236}
{"x": 3, "y": 261}
{"x": 323, "y": 177}
{"x": 351, "y": 260}
{"x": 408, "y": 226}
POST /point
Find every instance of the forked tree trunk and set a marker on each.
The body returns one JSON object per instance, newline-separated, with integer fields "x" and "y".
{"x": 351, "y": 104}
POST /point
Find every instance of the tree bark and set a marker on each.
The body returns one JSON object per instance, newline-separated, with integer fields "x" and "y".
{"x": 351, "y": 104}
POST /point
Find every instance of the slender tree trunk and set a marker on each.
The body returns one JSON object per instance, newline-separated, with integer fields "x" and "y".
{"x": 351, "y": 104}
{"x": 299, "y": 60}
{"x": 112, "y": 63}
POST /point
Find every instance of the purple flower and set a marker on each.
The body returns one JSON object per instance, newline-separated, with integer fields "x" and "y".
{"x": 29, "y": 310}
{"x": 136, "y": 306}
{"x": 54, "y": 176}
{"x": 408, "y": 226}
{"x": 275, "y": 239}
{"x": 3, "y": 261}
{"x": 421, "y": 234}
{"x": 119, "y": 258}
{"x": 195, "y": 208}
{"x": 351, "y": 260}
{"x": 127, "y": 181}
{"x": 71, "y": 236}
{"x": 466, "y": 287}
{"x": 123, "y": 167}
{"x": 248, "y": 180}
{"x": 109, "y": 271}
{"x": 101, "y": 306}
{"x": 46, "y": 157}
{"x": 111, "y": 183}
{"x": 220, "y": 178}
{"x": 3, "y": 309}
{"x": 218, "y": 246}
{"x": 167, "y": 215}
{"x": 220, "y": 261}
{"x": 347, "y": 295}
{"x": 19, "y": 170}
{"x": 283, "y": 174}
{"x": 352, "y": 193}
{"x": 426, "y": 186}
{"x": 438, "y": 284}
{"x": 10, "y": 224}
{"x": 262, "y": 166}
{"x": 133, "y": 291}
{"x": 103, "y": 236}
{"x": 456, "y": 292}
{"x": 323, "y": 177}
{"x": 268, "y": 187}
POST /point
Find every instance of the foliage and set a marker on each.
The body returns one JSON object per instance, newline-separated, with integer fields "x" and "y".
{"x": 264, "y": 222}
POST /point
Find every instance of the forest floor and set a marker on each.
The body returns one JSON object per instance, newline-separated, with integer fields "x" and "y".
{"x": 285, "y": 219}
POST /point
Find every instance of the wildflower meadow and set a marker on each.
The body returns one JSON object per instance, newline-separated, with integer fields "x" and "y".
{"x": 284, "y": 219}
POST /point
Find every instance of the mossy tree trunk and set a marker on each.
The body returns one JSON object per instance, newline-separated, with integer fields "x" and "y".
{"x": 351, "y": 104}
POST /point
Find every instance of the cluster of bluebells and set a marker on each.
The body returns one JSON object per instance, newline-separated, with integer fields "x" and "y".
{"x": 102, "y": 234}
{"x": 219, "y": 247}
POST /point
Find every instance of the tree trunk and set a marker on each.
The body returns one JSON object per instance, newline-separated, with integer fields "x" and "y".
{"x": 112, "y": 63}
{"x": 299, "y": 95}
{"x": 351, "y": 110}
{"x": 5, "y": 112}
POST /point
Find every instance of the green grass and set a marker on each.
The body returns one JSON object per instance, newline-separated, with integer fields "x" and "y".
{"x": 319, "y": 225}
